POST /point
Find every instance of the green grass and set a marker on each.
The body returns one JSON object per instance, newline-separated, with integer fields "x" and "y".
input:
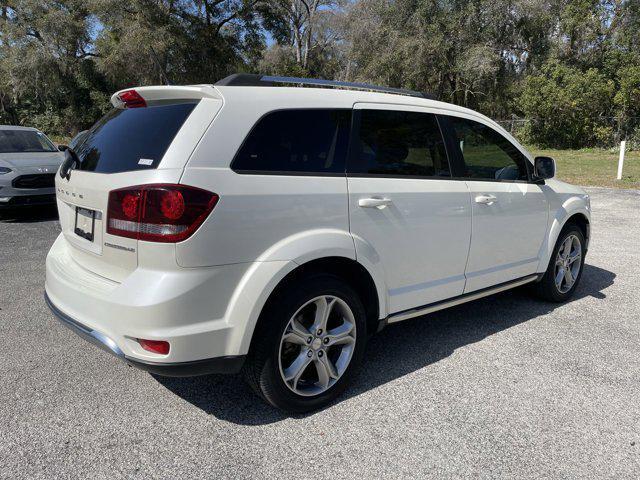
{"x": 594, "y": 167}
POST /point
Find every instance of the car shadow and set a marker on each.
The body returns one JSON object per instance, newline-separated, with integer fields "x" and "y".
{"x": 29, "y": 214}
{"x": 398, "y": 350}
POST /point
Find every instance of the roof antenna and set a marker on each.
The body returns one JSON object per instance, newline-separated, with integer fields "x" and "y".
{"x": 163, "y": 74}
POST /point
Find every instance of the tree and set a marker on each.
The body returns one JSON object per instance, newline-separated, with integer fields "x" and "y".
{"x": 297, "y": 24}
{"x": 568, "y": 108}
{"x": 46, "y": 62}
{"x": 61, "y": 60}
{"x": 465, "y": 51}
{"x": 196, "y": 42}
{"x": 565, "y": 63}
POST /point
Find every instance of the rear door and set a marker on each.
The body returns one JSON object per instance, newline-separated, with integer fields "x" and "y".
{"x": 406, "y": 212}
{"x": 127, "y": 147}
{"x": 509, "y": 211}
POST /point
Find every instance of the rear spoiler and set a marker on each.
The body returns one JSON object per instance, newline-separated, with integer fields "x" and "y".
{"x": 141, "y": 96}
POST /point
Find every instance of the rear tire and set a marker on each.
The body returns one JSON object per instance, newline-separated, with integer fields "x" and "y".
{"x": 308, "y": 344}
{"x": 565, "y": 266}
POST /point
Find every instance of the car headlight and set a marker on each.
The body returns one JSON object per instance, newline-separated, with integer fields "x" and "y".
{"x": 4, "y": 170}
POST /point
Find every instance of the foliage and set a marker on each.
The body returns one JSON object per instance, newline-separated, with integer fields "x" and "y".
{"x": 557, "y": 62}
{"x": 567, "y": 106}
{"x": 61, "y": 60}
{"x": 633, "y": 140}
{"x": 47, "y": 74}
{"x": 628, "y": 96}
{"x": 571, "y": 67}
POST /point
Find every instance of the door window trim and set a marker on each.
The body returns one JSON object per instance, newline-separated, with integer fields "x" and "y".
{"x": 454, "y": 160}
{"x": 458, "y": 162}
{"x": 355, "y": 129}
{"x": 291, "y": 173}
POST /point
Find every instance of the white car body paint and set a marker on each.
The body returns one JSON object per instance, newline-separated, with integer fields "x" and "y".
{"x": 204, "y": 295}
{"x": 507, "y": 234}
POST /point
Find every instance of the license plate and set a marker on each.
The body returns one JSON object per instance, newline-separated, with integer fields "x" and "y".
{"x": 85, "y": 222}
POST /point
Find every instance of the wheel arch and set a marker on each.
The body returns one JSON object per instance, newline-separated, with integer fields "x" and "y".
{"x": 353, "y": 272}
{"x": 569, "y": 214}
{"x": 583, "y": 223}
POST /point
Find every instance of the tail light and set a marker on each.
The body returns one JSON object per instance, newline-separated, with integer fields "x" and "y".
{"x": 158, "y": 213}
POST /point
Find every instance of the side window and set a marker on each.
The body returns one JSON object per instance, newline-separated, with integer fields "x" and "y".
{"x": 307, "y": 141}
{"x": 399, "y": 143}
{"x": 486, "y": 153}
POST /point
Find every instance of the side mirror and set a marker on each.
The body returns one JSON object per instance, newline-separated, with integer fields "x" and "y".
{"x": 544, "y": 168}
{"x": 62, "y": 148}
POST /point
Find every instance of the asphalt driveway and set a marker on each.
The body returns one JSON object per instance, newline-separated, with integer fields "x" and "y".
{"x": 502, "y": 387}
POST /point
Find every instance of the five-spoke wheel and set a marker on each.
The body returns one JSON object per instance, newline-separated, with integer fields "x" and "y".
{"x": 309, "y": 342}
{"x": 317, "y": 345}
{"x": 568, "y": 263}
{"x": 565, "y": 268}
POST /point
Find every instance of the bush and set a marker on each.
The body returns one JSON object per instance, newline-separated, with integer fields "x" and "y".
{"x": 633, "y": 140}
{"x": 567, "y": 107}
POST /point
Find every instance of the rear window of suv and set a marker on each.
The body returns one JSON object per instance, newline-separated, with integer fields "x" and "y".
{"x": 131, "y": 138}
{"x": 296, "y": 141}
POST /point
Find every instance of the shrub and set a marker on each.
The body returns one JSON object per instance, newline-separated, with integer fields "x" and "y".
{"x": 633, "y": 140}
{"x": 567, "y": 106}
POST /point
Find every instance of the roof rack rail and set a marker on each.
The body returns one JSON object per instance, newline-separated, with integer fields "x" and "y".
{"x": 253, "y": 80}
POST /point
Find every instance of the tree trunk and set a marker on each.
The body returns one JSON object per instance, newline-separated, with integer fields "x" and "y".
{"x": 297, "y": 43}
{"x": 307, "y": 44}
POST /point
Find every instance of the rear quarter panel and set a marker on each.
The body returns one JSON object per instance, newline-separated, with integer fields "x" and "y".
{"x": 271, "y": 222}
{"x": 263, "y": 217}
{"x": 267, "y": 217}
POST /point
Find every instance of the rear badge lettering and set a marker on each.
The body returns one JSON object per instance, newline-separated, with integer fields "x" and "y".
{"x": 73, "y": 194}
{"x": 119, "y": 247}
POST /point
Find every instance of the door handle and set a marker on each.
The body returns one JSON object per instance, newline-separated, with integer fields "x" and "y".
{"x": 374, "y": 202}
{"x": 486, "y": 199}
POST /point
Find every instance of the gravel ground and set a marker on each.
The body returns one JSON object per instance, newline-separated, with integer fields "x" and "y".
{"x": 502, "y": 387}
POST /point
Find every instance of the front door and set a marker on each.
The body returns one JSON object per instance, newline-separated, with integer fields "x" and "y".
{"x": 407, "y": 215}
{"x": 509, "y": 213}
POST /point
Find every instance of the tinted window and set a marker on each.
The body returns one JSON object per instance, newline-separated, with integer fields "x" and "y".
{"x": 486, "y": 153}
{"x": 131, "y": 138}
{"x": 75, "y": 141}
{"x": 19, "y": 141}
{"x": 399, "y": 143}
{"x": 313, "y": 141}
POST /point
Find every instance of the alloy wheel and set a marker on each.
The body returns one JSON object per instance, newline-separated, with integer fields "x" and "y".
{"x": 568, "y": 263}
{"x": 317, "y": 345}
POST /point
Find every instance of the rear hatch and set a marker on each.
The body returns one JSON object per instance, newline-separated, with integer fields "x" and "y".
{"x": 148, "y": 141}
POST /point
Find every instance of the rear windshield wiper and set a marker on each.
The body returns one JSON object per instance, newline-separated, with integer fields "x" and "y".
{"x": 71, "y": 162}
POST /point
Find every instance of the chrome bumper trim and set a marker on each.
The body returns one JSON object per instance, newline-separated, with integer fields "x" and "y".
{"x": 95, "y": 337}
{"x": 227, "y": 365}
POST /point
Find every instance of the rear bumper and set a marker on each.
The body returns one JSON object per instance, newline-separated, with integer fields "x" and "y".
{"x": 185, "y": 307}
{"x": 228, "y": 364}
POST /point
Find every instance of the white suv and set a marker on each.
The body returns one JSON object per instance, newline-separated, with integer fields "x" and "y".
{"x": 265, "y": 226}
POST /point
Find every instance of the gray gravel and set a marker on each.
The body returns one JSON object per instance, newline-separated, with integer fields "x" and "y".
{"x": 502, "y": 387}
